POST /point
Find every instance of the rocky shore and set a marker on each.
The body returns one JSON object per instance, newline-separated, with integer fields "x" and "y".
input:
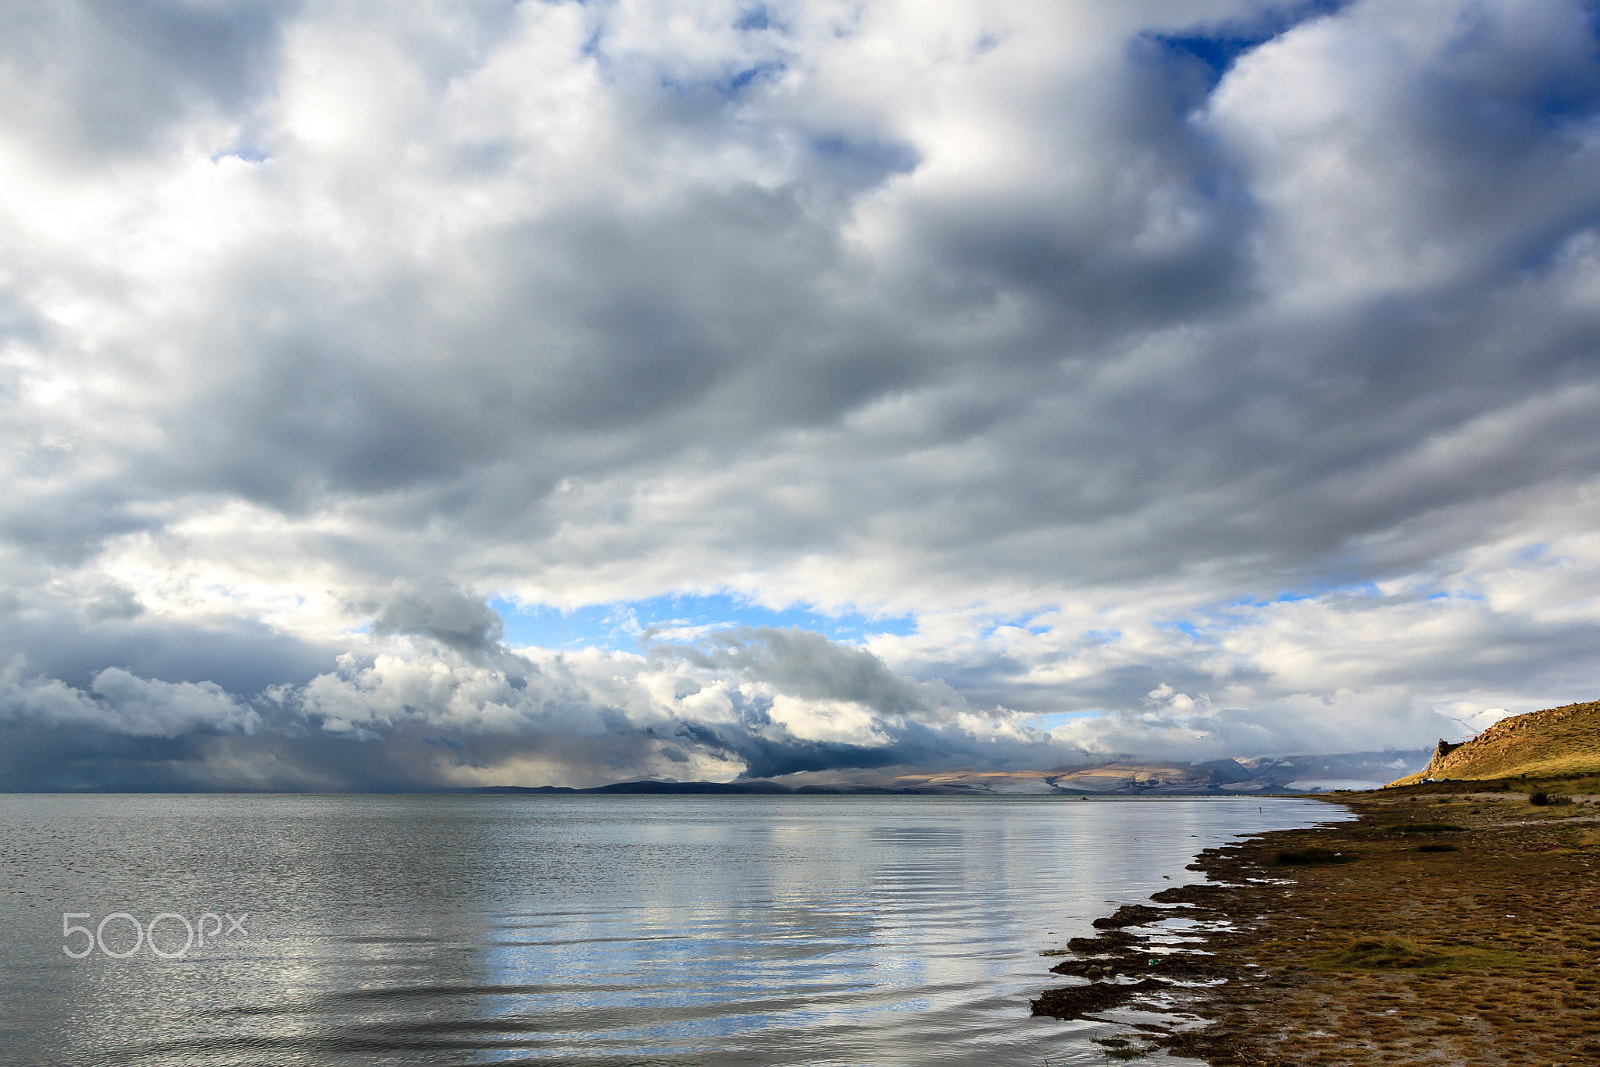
{"x": 1438, "y": 928}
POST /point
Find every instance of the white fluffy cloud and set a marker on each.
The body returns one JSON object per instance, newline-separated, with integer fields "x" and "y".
{"x": 1236, "y": 351}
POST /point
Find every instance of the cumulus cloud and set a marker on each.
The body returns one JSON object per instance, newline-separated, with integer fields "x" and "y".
{"x": 1226, "y": 350}
{"x": 120, "y": 702}
{"x": 757, "y": 701}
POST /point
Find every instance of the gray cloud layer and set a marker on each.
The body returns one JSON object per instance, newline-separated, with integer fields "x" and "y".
{"x": 1226, "y": 370}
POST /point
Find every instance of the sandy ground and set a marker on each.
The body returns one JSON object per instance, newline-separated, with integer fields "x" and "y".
{"x": 1402, "y": 941}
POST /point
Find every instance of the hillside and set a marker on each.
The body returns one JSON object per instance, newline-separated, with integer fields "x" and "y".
{"x": 1544, "y": 744}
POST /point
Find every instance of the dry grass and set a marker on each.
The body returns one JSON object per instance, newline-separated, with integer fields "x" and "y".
{"x": 1392, "y": 952}
{"x": 1308, "y": 857}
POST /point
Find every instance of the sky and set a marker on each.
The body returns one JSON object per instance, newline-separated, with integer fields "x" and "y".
{"x": 554, "y": 393}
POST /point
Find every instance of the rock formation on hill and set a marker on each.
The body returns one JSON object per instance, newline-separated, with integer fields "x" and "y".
{"x": 1548, "y": 743}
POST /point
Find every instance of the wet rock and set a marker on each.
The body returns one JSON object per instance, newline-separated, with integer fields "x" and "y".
{"x": 1176, "y": 966}
{"x": 1109, "y": 941}
{"x": 1208, "y": 895}
{"x": 1074, "y": 1002}
{"x": 1131, "y": 915}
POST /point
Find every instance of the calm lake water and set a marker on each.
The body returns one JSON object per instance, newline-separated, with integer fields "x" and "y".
{"x": 600, "y": 930}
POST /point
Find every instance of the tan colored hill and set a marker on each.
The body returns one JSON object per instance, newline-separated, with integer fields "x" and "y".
{"x": 1556, "y": 742}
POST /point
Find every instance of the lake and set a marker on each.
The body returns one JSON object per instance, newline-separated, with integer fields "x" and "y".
{"x": 597, "y": 930}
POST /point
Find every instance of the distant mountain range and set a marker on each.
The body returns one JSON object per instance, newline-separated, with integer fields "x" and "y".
{"x": 1555, "y": 742}
{"x": 1288, "y": 774}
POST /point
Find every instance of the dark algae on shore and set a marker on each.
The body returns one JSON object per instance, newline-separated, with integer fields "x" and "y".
{"x": 1439, "y": 928}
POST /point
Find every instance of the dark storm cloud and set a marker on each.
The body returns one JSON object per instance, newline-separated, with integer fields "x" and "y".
{"x": 448, "y": 615}
{"x": 1078, "y": 334}
{"x": 809, "y": 665}
{"x": 242, "y": 656}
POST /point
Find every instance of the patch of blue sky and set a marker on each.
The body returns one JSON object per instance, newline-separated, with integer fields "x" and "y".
{"x": 622, "y": 624}
{"x": 248, "y": 153}
{"x": 1209, "y": 623}
{"x": 728, "y": 86}
{"x": 1183, "y": 626}
{"x": 753, "y": 18}
{"x": 1566, "y": 104}
{"x": 1559, "y": 95}
{"x": 1295, "y": 596}
{"x": 1029, "y": 623}
{"x": 1217, "y": 46}
{"x": 1456, "y": 594}
{"x": 1551, "y": 250}
{"x": 1053, "y": 719}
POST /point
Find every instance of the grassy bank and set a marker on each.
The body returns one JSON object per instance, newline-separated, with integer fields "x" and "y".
{"x": 1440, "y": 928}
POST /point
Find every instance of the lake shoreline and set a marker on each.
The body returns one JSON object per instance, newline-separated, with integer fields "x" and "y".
{"x": 1436, "y": 927}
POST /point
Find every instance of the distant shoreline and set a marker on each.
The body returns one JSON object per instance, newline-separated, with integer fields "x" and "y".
{"x": 764, "y": 788}
{"x": 678, "y": 789}
{"x": 1438, "y": 922}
